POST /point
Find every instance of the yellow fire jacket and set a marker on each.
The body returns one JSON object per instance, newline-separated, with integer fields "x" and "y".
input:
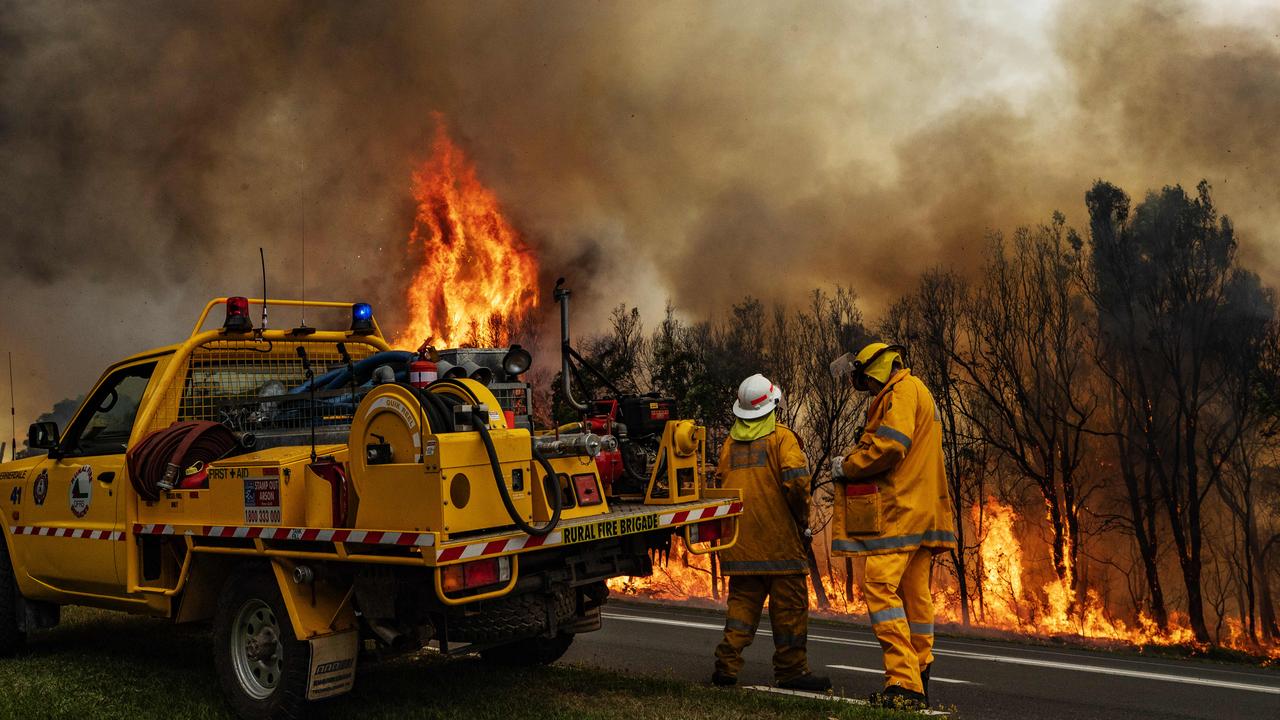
{"x": 894, "y": 497}
{"x": 773, "y": 475}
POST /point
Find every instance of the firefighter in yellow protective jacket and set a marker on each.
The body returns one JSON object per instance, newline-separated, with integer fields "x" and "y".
{"x": 893, "y": 513}
{"x": 764, "y": 460}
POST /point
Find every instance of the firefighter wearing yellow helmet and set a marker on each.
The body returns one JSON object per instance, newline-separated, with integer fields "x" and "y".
{"x": 893, "y": 513}
{"x": 763, "y": 458}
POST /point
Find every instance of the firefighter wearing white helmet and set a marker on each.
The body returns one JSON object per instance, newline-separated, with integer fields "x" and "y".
{"x": 893, "y": 513}
{"x": 763, "y": 458}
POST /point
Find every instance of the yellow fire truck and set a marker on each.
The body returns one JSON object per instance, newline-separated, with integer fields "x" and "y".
{"x": 319, "y": 502}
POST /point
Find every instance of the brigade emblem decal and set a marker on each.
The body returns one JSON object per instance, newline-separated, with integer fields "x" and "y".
{"x": 40, "y": 490}
{"x": 81, "y": 491}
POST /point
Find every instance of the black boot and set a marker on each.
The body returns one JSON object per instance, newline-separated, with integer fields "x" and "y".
{"x": 807, "y": 682}
{"x": 896, "y": 697}
{"x": 720, "y": 679}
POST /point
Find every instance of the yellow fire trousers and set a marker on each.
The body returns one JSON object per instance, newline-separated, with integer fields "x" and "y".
{"x": 788, "y": 597}
{"x": 899, "y": 601}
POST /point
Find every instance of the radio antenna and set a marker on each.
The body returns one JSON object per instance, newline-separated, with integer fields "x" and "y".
{"x": 302, "y": 193}
{"x": 263, "y": 257}
{"x": 13, "y": 416}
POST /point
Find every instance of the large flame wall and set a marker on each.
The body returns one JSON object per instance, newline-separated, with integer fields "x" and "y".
{"x": 477, "y": 277}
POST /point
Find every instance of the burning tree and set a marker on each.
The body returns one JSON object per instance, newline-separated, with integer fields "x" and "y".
{"x": 1162, "y": 284}
{"x": 1023, "y": 358}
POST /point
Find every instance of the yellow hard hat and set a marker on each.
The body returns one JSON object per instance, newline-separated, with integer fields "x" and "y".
{"x": 875, "y": 360}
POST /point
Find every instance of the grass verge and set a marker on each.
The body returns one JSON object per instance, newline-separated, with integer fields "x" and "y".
{"x": 100, "y": 664}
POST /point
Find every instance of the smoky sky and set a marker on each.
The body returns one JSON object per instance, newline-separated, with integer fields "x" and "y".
{"x": 696, "y": 152}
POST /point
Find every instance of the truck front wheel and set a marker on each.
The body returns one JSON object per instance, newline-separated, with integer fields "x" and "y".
{"x": 11, "y": 637}
{"x": 261, "y": 666}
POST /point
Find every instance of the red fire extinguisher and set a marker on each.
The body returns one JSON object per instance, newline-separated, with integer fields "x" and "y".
{"x": 422, "y": 371}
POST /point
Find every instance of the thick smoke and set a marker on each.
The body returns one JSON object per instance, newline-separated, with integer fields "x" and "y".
{"x": 649, "y": 150}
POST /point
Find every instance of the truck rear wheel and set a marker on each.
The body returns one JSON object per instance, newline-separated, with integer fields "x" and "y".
{"x": 530, "y": 651}
{"x": 11, "y": 638}
{"x": 261, "y": 666}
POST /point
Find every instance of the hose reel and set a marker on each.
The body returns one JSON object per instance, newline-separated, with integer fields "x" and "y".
{"x": 395, "y": 424}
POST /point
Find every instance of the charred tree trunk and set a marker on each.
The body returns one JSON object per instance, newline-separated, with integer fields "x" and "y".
{"x": 957, "y": 502}
{"x": 1073, "y": 532}
{"x": 848, "y": 579}
{"x": 1150, "y": 559}
{"x": 1250, "y": 563}
{"x": 1266, "y": 604}
{"x": 1192, "y": 567}
{"x": 1142, "y": 520}
{"x": 1188, "y": 563}
{"x": 1059, "y": 531}
{"x": 1195, "y": 598}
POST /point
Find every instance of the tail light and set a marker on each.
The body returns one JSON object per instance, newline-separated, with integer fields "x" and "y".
{"x": 709, "y": 531}
{"x": 477, "y": 573}
{"x": 237, "y": 316}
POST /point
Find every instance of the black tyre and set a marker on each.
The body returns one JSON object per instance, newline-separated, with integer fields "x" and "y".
{"x": 261, "y": 666}
{"x": 511, "y": 618}
{"x": 11, "y": 638}
{"x": 530, "y": 651}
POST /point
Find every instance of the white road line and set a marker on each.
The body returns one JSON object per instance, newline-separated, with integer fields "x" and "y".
{"x": 1079, "y": 667}
{"x": 880, "y": 671}
{"x": 663, "y": 621}
{"x": 1125, "y": 672}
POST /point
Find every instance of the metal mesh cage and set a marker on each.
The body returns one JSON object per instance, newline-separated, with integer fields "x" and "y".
{"x": 514, "y": 397}
{"x": 260, "y": 387}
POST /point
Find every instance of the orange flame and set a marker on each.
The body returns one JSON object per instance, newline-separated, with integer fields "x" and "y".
{"x": 1006, "y": 599}
{"x": 478, "y": 278}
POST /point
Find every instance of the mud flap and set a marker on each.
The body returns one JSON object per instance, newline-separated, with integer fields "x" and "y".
{"x": 35, "y": 615}
{"x": 333, "y": 665}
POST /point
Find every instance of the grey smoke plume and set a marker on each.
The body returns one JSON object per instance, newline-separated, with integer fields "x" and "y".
{"x": 649, "y": 150}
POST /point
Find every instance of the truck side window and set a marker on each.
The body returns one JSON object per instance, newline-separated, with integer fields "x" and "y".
{"x": 104, "y": 426}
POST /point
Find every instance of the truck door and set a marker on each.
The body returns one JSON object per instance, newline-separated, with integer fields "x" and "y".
{"x": 75, "y": 510}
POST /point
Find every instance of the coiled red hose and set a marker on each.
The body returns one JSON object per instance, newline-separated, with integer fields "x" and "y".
{"x": 159, "y": 460}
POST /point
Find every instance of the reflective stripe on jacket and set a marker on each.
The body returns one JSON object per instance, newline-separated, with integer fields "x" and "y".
{"x": 773, "y": 475}
{"x": 895, "y": 496}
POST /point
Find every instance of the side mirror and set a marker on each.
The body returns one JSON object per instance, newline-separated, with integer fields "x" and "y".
{"x": 43, "y": 436}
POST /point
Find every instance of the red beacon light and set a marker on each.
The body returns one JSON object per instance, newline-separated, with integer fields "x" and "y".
{"x": 237, "y": 316}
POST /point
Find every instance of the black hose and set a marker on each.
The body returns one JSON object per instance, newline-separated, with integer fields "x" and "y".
{"x": 439, "y": 412}
{"x": 482, "y": 426}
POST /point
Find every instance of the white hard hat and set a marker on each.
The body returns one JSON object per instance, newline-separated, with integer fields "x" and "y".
{"x": 757, "y": 397}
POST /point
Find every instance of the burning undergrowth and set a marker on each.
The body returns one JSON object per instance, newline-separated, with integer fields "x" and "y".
{"x": 1015, "y": 597}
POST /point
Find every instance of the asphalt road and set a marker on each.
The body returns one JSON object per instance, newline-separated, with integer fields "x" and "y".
{"x": 981, "y": 679}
